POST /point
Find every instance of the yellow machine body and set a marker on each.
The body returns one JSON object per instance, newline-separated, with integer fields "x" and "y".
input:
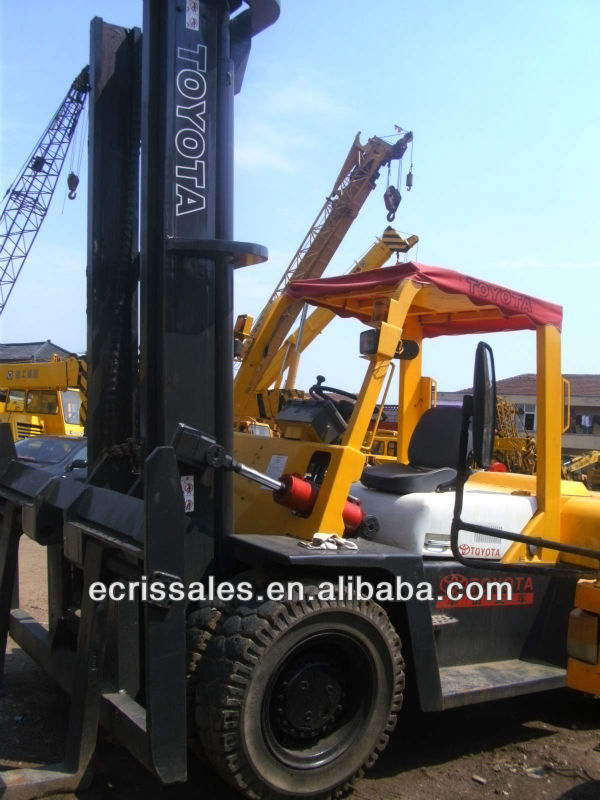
{"x": 43, "y": 398}
{"x": 566, "y": 511}
{"x": 583, "y": 643}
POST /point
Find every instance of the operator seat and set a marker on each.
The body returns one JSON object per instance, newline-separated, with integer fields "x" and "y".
{"x": 433, "y": 453}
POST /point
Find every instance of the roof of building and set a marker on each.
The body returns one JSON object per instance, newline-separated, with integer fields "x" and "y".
{"x": 31, "y": 351}
{"x": 583, "y": 385}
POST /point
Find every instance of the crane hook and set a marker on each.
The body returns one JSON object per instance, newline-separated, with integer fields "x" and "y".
{"x": 391, "y": 198}
{"x": 72, "y": 183}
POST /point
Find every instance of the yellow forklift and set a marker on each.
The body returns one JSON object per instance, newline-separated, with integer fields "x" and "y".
{"x": 520, "y": 551}
{"x": 287, "y": 680}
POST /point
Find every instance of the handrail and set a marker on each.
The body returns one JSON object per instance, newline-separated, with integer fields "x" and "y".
{"x": 368, "y": 447}
{"x": 567, "y": 423}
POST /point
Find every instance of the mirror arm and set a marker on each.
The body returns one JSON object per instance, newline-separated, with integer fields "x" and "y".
{"x": 462, "y": 475}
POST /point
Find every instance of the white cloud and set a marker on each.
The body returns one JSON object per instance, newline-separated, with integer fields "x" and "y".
{"x": 279, "y": 132}
{"x": 264, "y": 156}
{"x": 301, "y": 98}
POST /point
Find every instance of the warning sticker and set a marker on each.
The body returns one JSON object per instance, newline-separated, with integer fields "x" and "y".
{"x": 192, "y": 10}
{"x": 187, "y": 487}
{"x": 276, "y": 467}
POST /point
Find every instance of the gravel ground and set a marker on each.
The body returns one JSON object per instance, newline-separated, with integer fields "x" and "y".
{"x": 545, "y": 745}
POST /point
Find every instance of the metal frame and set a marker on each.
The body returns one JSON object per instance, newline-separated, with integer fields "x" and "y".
{"x": 113, "y": 212}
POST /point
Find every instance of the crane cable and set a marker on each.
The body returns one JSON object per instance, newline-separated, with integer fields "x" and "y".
{"x": 409, "y": 174}
{"x": 392, "y": 197}
{"x": 75, "y": 160}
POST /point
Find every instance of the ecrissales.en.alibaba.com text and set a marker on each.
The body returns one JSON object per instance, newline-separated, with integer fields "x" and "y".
{"x": 354, "y": 587}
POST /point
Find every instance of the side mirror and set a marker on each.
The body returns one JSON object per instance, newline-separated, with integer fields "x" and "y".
{"x": 78, "y": 463}
{"x": 484, "y": 405}
{"x": 478, "y": 413}
{"x": 369, "y": 342}
{"x": 407, "y": 350}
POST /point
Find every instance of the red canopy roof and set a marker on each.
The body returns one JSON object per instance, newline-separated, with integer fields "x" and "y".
{"x": 506, "y": 309}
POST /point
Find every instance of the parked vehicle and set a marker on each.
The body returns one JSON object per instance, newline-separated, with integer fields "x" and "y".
{"x": 59, "y": 455}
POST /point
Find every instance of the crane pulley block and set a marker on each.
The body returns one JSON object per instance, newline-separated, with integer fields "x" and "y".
{"x": 392, "y": 199}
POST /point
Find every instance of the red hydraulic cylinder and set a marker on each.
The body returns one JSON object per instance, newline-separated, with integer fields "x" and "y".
{"x": 300, "y": 496}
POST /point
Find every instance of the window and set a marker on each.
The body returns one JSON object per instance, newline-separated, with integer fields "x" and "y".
{"x": 259, "y": 429}
{"x": 71, "y": 402}
{"x": 377, "y": 447}
{"x": 15, "y": 400}
{"x": 392, "y": 449}
{"x": 529, "y": 417}
{"x": 47, "y": 449}
{"x": 40, "y": 402}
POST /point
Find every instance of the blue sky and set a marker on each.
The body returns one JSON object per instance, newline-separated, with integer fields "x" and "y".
{"x": 503, "y": 100}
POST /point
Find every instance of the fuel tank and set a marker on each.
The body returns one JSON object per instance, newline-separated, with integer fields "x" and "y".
{"x": 420, "y": 521}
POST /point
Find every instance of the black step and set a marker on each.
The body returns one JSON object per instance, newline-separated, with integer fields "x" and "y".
{"x": 478, "y": 683}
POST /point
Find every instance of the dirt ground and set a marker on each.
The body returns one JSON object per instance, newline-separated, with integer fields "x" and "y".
{"x": 546, "y": 745}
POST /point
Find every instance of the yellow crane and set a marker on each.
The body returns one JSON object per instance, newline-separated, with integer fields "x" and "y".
{"x": 351, "y": 188}
{"x": 45, "y": 397}
{"x": 578, "y": 463}
{"x": 515, "y": 446}
{"x": 265, "y": 400}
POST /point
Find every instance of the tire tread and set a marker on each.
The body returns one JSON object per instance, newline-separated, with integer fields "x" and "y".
{"x": 225, "y": 643}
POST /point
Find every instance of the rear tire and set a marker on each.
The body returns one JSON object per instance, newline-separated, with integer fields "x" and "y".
{"x": 297, "y": 698}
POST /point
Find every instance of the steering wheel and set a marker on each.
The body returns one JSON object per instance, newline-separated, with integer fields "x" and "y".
{"x": 317, "y": 392}
{"x": 342, "y": 407}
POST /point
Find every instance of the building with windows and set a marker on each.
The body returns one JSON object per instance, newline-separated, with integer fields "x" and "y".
{"x": 582, "y": 421}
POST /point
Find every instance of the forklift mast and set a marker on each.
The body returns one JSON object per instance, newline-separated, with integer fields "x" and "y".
{"x": 188, "y": 66}
{"x": 188, "y": 255}
{"x": 166, "y": 95}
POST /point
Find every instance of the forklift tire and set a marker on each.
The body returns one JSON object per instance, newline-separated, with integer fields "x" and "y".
{"x": 200, "y": 626}
{"x": 297, "y": 698}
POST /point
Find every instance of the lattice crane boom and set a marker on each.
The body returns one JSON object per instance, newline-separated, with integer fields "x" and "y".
{"x": 28, "y": 198}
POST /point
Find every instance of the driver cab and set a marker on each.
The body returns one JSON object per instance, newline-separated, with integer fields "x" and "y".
{"x": 323, "y": 435}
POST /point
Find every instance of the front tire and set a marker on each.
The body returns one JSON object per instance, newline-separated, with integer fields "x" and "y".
{"x": 296, "y": 698}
